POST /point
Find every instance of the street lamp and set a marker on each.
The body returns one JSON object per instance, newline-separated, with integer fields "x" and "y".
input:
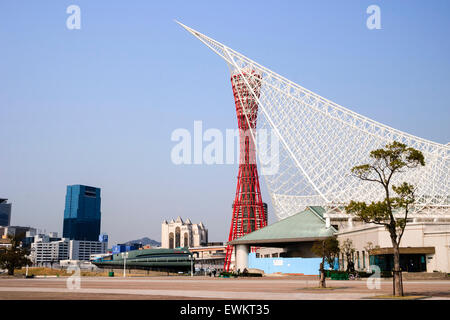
{"x": 124, "y": 256}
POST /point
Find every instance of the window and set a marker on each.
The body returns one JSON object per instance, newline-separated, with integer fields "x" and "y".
{"x": 177, "y": 237}
{"x": 171, "y": 240}
{"x": 186, "y": 237}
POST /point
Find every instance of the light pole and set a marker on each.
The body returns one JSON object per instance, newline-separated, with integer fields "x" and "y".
{"x": 191, "y": 257}
{"x": 124, "y": 256}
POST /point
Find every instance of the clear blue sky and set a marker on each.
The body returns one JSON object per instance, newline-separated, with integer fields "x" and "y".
{"x": 97, "y": 106}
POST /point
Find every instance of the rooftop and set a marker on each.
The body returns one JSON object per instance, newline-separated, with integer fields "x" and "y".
{"x": 307, "y": 225}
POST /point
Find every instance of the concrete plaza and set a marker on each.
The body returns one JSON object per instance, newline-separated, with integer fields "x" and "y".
{"x": 196, "y": 288}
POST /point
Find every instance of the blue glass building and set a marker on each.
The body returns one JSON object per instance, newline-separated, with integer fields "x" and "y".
{"x": 82, "y": 213}
{"x": 5, "y": 212}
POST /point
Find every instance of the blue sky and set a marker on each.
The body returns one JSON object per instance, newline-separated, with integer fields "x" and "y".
{"x": 97, "y": 106}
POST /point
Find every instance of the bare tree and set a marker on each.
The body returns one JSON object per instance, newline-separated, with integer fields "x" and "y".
{"x": 348, "y": 251}
{"x": 328, "y": 249}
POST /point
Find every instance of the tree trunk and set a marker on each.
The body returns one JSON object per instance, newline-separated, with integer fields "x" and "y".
{"x": 398, "y": 285}
{"x": 11, "y": 271}
{"x": 322, "y": 276}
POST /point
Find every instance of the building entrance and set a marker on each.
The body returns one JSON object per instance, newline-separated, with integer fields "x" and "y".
{"x": 408, "y": 262}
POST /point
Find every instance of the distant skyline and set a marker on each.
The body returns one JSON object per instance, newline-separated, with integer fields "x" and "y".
{"x": 97, "y": 106}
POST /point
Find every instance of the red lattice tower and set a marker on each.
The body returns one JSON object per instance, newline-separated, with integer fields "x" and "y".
{"x": 249, "y": 212}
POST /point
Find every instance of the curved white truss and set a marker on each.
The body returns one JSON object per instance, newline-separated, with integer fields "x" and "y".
{"x": 320, "y": 141}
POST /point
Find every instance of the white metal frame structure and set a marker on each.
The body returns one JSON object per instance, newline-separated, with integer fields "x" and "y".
{"x": 320, "y": 141}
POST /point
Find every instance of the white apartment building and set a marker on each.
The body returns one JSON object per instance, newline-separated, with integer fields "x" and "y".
{"x": 82, "y": 250}
{"x": 45, "y": 251}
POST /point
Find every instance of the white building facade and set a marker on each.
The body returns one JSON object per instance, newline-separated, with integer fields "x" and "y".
{"x": 82, "y": 250}
{"x": 178, "y": 233}
{"x": 45, "y": 251}
{"x": 425, "y": 246}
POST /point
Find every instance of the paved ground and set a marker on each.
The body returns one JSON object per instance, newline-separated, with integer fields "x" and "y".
{"x": 175, "y": 288}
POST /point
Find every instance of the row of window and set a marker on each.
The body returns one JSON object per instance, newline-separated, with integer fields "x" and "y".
{"x": 357, "y": 258}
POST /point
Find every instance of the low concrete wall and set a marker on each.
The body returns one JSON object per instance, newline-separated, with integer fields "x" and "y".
{"x": 306, "y": 266}
{"x": 425, "y": 276}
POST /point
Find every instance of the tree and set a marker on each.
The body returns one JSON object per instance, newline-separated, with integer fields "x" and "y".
{"x": 385, "y": 164}
{"x": 369, "y": 247}
{"x": 14, "y": 257}
{"x": 348, "y": 250}
{"x": 328, "y": 249}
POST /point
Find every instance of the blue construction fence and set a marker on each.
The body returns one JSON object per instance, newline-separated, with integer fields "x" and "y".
{"x": 306, "y": 266}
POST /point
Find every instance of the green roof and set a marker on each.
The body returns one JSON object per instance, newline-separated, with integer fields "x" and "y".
{"x": 307, "y": 225}
{"x": 319, "y": 210}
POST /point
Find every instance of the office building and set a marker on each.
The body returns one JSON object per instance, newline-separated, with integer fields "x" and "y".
{"x": 5, "y": 212}
{"x": 33, "y": 236}
{"x": 46, "y": 250}
{"x": 15, "y": 231}
{"x": 82, "y": 213}
{"x": 82, "y": 250}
